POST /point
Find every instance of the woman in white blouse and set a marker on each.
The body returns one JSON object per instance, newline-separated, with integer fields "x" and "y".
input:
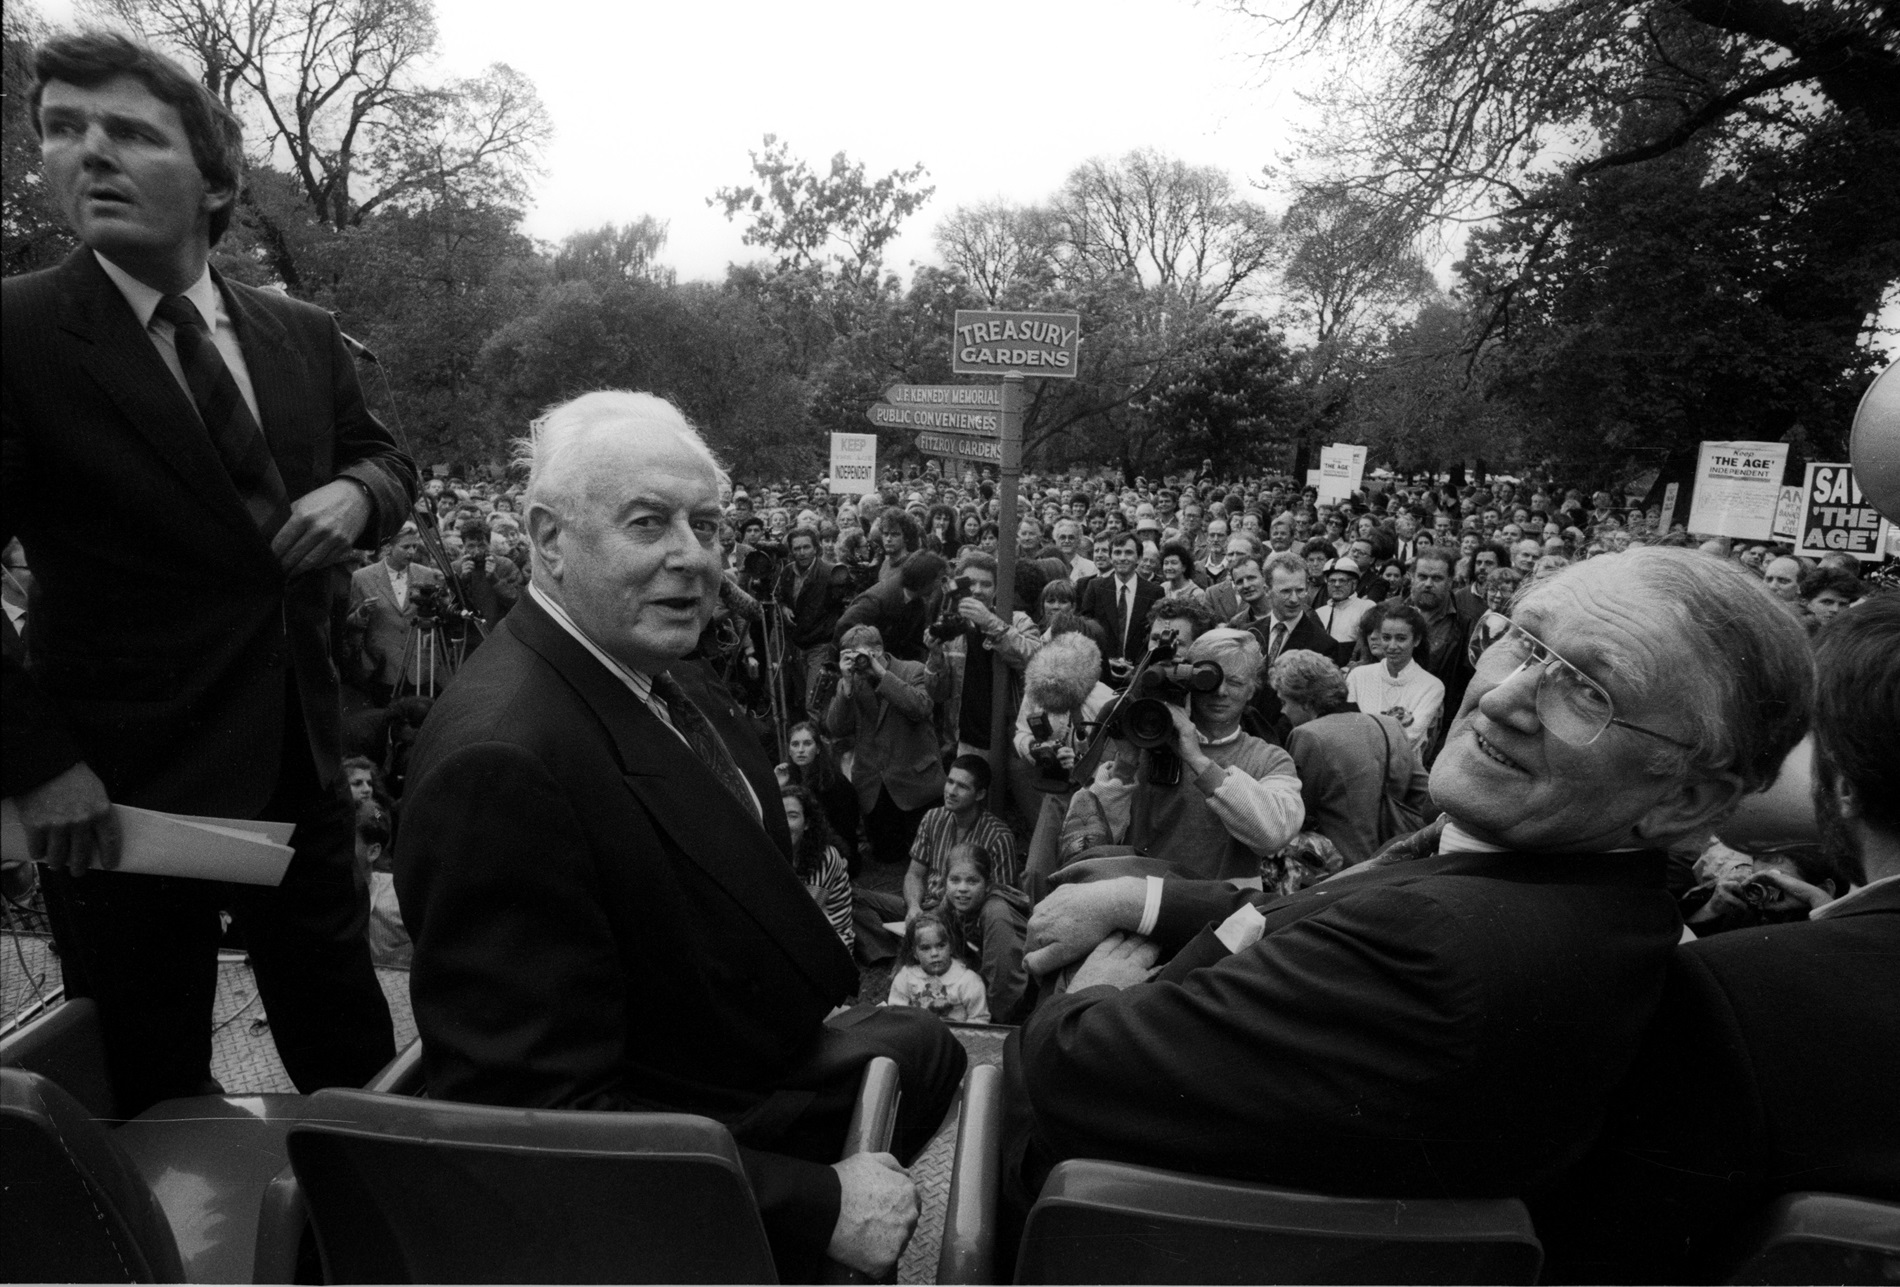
{"x": 1398, "y": 684}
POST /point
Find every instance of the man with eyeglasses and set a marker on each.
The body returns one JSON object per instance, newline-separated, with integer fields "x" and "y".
{"x": 1450, "y": 1025}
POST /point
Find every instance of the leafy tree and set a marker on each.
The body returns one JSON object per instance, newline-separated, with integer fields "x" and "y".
{"x": 1418, "y": 402}
{"x": 614, "y": 253}
{"x": 1170, "y": 226}
{"x": 838, "y": 221}
{"x": 32, "y": 234}
{"x": 1232, "y": 400}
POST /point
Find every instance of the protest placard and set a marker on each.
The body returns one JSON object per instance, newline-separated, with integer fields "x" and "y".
{"x": 853, "y": 464}
{"x": 1737, "y": 485}
{"x": 1835, "y": 516}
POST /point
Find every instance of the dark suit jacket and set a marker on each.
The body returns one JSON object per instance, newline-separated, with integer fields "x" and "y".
{"x": 1097, "y": 602}
{"x": 900, "y": 623}
{"x": 1448, "y": 1027}
{"x": 597, "y": 924}
{"x": 1307, "y": 634}
{"x": 1770, "y": 1069}
{"x": 164, "y": 632}
{"x": 815, "y": 609}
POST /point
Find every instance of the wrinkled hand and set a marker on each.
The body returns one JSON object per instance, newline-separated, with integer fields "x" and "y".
{"x": 69, "y": 822}
{"x": 877, "y": 1209}
{"x": 322, "y": 527}
{"x": 1068, "y": 924}
{"x": 1118, "y": 961}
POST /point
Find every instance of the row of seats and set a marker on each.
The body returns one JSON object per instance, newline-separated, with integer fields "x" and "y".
{"x": 380, "y": 1185}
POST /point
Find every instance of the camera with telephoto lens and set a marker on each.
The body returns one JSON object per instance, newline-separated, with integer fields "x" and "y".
{"x": 1142, "y": 715}
{"x": 950, "y": 625}
{"x": 1050, "y": 775}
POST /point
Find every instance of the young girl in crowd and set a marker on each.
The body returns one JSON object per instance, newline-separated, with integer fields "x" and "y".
{"x": 932, "y": 978}
{"x": 816, "y": 860}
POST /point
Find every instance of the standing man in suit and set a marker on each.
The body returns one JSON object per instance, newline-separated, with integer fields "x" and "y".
{"x": 1119, "y": 602}
{"x": 186, "y": 460}
{"x": 1769, "y": 1068}
{"x": 381, "y": 607}
{"x": 811, "y": 594}
{"x": 1278, "y": 617}
{"x": 597, "y": 875}
{"x": 1452, "y": 1025}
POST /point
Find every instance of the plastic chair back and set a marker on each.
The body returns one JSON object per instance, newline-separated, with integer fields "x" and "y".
{"x": 65, "y": 1045}
{"x": 407, "y": 1190}
{"x": 1824, "y": 1238}
{"x": 75, "y": 1208}
{"x": 1108, "y": 1222}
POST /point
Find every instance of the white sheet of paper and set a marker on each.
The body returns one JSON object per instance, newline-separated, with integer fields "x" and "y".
{"x": 170, "y": 844}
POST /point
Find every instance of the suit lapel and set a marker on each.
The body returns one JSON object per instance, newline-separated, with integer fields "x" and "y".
{"x": 122, "y": 360}
{"x": 686, "y": 801}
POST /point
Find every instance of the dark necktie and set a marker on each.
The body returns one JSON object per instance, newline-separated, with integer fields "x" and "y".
{"x": 1121, "y": 615}
{"x": 240, "y": 443}
{"x": 1279, "y": 640}
{"x": 704, "y": 739}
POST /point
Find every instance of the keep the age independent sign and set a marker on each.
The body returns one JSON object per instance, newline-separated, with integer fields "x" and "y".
{"x": 1835, "y": 517}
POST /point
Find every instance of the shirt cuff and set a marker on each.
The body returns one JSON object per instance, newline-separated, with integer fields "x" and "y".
{"x": 1243, "y": 929}
{"x": 1151, "y": 909}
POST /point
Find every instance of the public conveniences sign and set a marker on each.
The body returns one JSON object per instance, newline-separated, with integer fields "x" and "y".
{"x": 1040, "y": 344}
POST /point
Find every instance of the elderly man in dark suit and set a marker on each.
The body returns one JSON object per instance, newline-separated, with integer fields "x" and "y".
{"x": 597, "y": 875}
{"x": 1453, "y": 1025}
{"x": 1770, "y": 1066}
{"x": 186, "y": 461}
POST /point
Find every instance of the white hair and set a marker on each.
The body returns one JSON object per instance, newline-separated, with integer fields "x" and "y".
{"x": 558, "y": 438}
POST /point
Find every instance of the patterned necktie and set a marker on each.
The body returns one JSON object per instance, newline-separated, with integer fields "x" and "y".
{"x": 1279, "y": 640}
{"x": 704, "y": 739}
{"x": 240, "y": 443}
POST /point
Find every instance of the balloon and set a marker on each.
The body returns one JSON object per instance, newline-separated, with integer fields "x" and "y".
{"x": 1875, "y": 446}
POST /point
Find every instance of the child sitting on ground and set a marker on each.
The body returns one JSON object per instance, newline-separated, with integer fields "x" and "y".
{"x": 930, "y": 977}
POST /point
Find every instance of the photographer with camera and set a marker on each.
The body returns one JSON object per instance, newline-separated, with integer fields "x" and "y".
{"x": 968, "y": 614}
{"x": 884, "y": 703}
{"x": 1208, "y": 798}
{"x": 385, "y": 598}
{"x": 488, "y": 588}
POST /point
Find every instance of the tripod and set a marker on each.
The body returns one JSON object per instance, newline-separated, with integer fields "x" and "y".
{"x": 429, "y": 648}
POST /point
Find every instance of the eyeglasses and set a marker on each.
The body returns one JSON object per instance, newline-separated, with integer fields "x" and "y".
{"x": 1573, "y": 706}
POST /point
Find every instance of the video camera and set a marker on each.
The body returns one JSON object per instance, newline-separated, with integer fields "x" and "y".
{"x": 1142, "y": 716}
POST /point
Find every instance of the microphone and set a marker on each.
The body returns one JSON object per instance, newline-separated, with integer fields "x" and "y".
{"x": 357, "y": 348}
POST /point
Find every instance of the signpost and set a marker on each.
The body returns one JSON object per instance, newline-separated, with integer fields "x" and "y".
{"x": 981, "y": 424}
{"x": 1011, "y": 345}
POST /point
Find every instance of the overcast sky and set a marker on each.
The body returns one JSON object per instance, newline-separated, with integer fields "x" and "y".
{"x": 655, "y": 105}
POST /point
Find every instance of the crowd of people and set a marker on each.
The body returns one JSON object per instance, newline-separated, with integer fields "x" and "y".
{"x": 1345, "y": 635}
{"x": 1410, "y": 844}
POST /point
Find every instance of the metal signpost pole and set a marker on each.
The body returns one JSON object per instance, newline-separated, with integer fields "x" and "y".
{"x": 1008, "y": 481}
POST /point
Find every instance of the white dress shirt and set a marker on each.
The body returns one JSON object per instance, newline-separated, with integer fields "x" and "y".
{"x": 209, "y": 301}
